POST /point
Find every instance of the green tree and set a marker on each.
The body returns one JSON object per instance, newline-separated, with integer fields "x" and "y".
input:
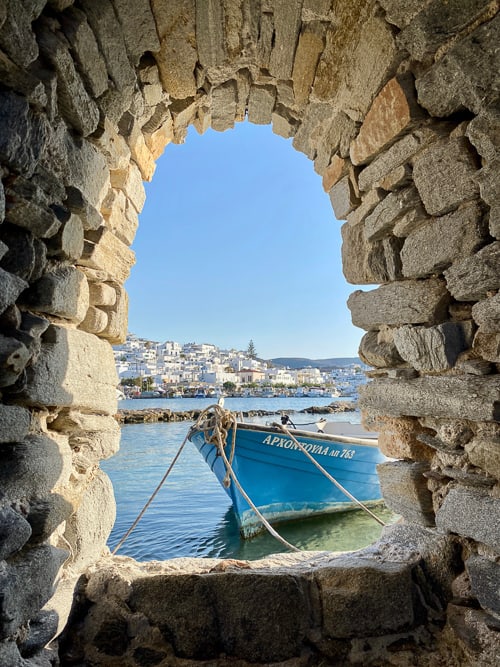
{"x": 251, "y": 351}
{"x": 228, "y": 386}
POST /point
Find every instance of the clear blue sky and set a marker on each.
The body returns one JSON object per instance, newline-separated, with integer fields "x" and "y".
{"x": 238, "y": 241}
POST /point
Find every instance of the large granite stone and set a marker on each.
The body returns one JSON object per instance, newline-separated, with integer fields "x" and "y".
{"x": 63, "y": 292}
{"x": 486, "y": 314}
{"x": 343, "y": 198}
{"x": 11, "y": 287}
{"x": 286, "y": 26}
{"x": 21, "y": 147}
{"x": 35, "y": 465}
{"x": 376, "y": 351}
{"x": 391, "y": 113}
{"x": 75, "y": 104}
{"x": 465, "y": 76}
{"x": 362, "y": 597}
{"x": 399, "y": 303}
{"x": 431, "y": 349}
{"x": 405, "y": 491}
{"x": 485, "y": 577}
{"x": 456, "y": 397}
{"x": 473, "y": 278}
{"x": 88, "y": 529}
{"x": 224, "y": 106}
{"x": 386, "y": 214}
{"x": 74, "y": 369}
{"x": 15, "y": 422}
{"x": 487, "y": 346}
{"x": 444, "y": 175}
{"x": 138, "y": 26}
{"x": 261, "y": 104}
{"x": 485, "y": 453}
{"x": 85, "y": 50}
{"x": 177, "y": 56}
{"x": 437, "y": 243}
{"x": 438, "y": 24}
{"x": 105, "y": 252}
{"x": 15, "y": 531}
{"x": 27, "y": 585}
{"x": 472, "y": 514}
{"x": 309, "y": 48}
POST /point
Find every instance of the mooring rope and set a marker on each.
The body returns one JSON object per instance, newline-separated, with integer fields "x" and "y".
{"x": 151, "y": 498}
{"x": 328, "y": 476}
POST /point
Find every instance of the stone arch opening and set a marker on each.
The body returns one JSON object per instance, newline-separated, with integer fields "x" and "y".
{"x": 398, "y": 108}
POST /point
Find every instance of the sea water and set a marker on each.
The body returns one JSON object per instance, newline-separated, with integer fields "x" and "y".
{"x": 191, "y": 515}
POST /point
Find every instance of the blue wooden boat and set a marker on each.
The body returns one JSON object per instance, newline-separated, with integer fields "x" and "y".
{"x": 280, "y": 480}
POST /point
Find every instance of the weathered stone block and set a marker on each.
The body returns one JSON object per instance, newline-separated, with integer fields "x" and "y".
{"x": 138, "y": 27}
{"x": 110, "y": 37}
{"x": 177, "y": 56}
{"x": 102, "y": 294}
{"x": 22, "y": 146}
{"x": 407, "y": 302}
{"x": 343, "y": 198}
{"x": 333, "y": 172}
{"x": 362, "y": 597}
{"x": 15, "y": 422}
{"x": 439, "y": 24}
{"x": 487, "y": 346}
{"x": 377, "y": 351}
{"x": 471, "y": 513}
{"x": 96, "y": 436}
{"x": 431, "y": 349}
{"x": 472, "y": 278}
{"x": 364, "y": 262}
{"x": 405, "y": 490}
{"x": 484, "y": 134}
{"x": 390, "y": 114}
{"x": 68, "y": 242}
{"x": 209, "y": 36}
{"x": 485, "y": 575}
{"x": 140, "y": 153}
{"x": 444, "y": 175}
{"x": 224, "y": 99}
{"x": 23, "y": 211}
{"x": 104, "y": 251}
{"x": 15, "y": 531}
{"x": 223, "y": 622}
{"x": 261, "y": 104}
{"x": 402, "y": 14}
{"x": 386, "y": 214}
{"x": 87, "y": 536}
{"x": 448, "y": 397}
{"x": 46, "y": 514}
{"x": 398, "y": 439}
{"x": 116, "y": 329}
{"x": 95, "y": 321}
{"x": 486, "y": 314}
{"x": 27, "y": 585}
{"x": 16, "y": 35}
{"x": 130, "y": 181}
{"x": 14, "y": 356}
{"x": 11, "y": 287}
{"x": 87, "y": 171}
{"x": 85, "y": 50}
{"x": 395, "y": 156}
{"x": 286, "y": 25}
{"x": 485, "y": 453}
{"x": 368, "y": 203}
{"x": 34, "y": 466}
{"x": 465, "y": 76}
{"x": 309, "y": 48}
{"x": 63, "y": 292}
{"x": 424, "y": 251}
{"x": 314, "y": 129}
{"x": 75, "y": 104}
{"x": 74, "y": 369}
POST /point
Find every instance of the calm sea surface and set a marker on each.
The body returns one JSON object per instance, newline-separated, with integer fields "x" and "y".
{"x": 192, "y": 515}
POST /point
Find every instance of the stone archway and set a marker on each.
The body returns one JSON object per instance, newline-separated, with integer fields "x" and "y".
{"x": 398, "y": 108}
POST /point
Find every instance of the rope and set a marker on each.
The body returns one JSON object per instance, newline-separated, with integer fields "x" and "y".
{"x": 219, "y": 423}
{"x": 143, "y": 511}
{"x": 328, "y": 476}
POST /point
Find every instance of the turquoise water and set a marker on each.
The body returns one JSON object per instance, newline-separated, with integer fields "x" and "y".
{"x": 191, "y": 515}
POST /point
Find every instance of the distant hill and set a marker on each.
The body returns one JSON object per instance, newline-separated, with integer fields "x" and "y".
{"x": 303, "y": 362}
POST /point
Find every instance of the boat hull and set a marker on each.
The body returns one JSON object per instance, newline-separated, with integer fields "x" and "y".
{"x": 283, "y": 483}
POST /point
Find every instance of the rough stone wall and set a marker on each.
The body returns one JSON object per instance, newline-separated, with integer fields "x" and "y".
{"x": 397, "y": 105}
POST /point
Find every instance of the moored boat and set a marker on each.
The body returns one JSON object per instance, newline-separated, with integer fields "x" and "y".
{"x": 268, "y": 466}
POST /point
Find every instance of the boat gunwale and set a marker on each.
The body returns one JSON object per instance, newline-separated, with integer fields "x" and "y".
{"x": 326, "y": 437}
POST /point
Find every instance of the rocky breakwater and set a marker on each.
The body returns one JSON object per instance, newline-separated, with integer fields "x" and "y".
{"x": 153, "y": 415}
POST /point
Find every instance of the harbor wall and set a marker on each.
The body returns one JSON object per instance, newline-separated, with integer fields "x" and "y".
{"x": 397, "y": 106}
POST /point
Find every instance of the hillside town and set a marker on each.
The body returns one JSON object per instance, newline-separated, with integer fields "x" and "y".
{"x": 173, "y": 370}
